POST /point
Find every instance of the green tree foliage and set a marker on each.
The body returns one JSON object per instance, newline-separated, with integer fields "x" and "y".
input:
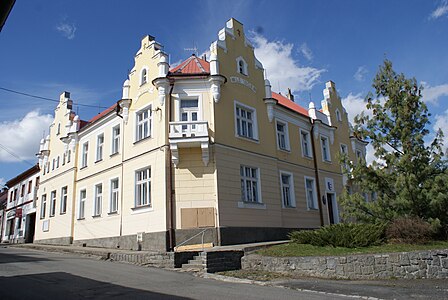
{"x": 409, "y": 175}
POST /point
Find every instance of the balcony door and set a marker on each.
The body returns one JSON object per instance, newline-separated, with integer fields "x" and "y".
{"x": 189, "y": 112}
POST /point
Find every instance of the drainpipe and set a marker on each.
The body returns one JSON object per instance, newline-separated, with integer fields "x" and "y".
{"x": 316, "y": 170}
{"x": 169, "y": 181}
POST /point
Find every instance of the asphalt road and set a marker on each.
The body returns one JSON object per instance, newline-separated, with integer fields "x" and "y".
{"x": 30, "y": 274}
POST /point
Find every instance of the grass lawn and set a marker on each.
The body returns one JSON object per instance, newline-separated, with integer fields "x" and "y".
{"x": 293, "y": 249}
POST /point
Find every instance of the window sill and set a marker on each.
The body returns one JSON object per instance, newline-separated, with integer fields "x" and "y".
{"x": 141, "y": 209}
{"x": 327, "y": 162}
{"x": 51, "y": 216}
{"x": 83, "y": 167}
{"x": 80, "y": 219}
{"x": 247, "y": 139}
{"x": 289, "y": 207}
{"x": 312, "y": 209}
{"x": 96, "y": 216}
{"x": 286, "y": 150}
{"x": 143, "y": 139}
{"x": 112, "y": 213}
{"x": 253, "y": 205}
{"x": 114, "y": 154}
{"x": 99, "y": 160}
{"x": 62, "y": 213}
{"x": 307, "y": 157}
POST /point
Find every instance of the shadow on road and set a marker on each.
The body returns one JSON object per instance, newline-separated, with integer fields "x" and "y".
{"x": 6, "y": 258}
{"x": 61, "y": 285}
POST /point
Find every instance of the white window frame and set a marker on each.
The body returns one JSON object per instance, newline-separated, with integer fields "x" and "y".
{"x": 43, "y": 205}
{"x": 307, "y": 145}
{"x": 289, "y": 187}
{"x": 142, "y": 122}
{"x": 98, "y": 200}
{"x": 338, "y": 115}
{"x": 52, "y": 204}
{"x": 284, "y": 134}
{"x": 142, "y": 200}
{"x": 85, "y": 154}
{"x": 64, "y": 193}
{"x": 114, "y": 195}
{"x": 99, "y": 146}
{"x": 116, "y": 139}
{"x": 315, "y": 205}
{"x": 144, "y": 76}
{"x": 325, "y": 148}
{"x": 239, "y": 119}
{"x": 247, "y": 182}
{"x": 359, "y": 155}
{"x": 57, "y": 162}
{"x": 244, "y": 70}
{"x": 343, "y": 149}
{"x": 82, "y": 204}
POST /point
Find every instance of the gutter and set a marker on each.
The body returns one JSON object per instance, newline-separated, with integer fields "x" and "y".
{"x": 170, "y": 197}
{"x": 316, "y": 171}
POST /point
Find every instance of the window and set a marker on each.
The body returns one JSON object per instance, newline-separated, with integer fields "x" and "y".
{"x": 115, "y": 139}
{"x": 85, "y": 152}
{"x": 30, "y": 184}
{"x": 48, "y": 167}
{"x": 98, "y": 200}
{"x": 64, "y": 156}
{"x": 306, "y": 143}
{"x": 22, "y": 190}
{"x": 63, "y": 200}
{"x": 69, "y": 154}
{"x": 57, "y": 163}
{"x": 53, "y": 204}
{"x": 344, "y": 153}
{"x": 82, "y": 204}
{"x": 143, "y": 129}
{"x": 16, "y": 194}
{"x": 43, "y": 206}
{"x": 37, "y": 181}
{"x": 287, "y": 187}
{"x": 249, "y": 184}
{"x": 143, "y": 188}
{"x": 338, "y": 116}
{"x": 246, "y": 122}
{"x": 54, "y": 163}
{"x": 241, "y": 66}
{"x": 311, "y": 196}
{"x": 359, "y": 155}
{"x": 282, "y": 136}
{"x": 144, "y": 76}
{"x": 59, "y": 129}
{"x": 114, "y": 190}
{"x": 99, "y": 147}
{"x": 325, "y": 149}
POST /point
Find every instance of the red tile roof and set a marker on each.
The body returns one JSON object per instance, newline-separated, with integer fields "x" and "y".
{"x": 285, "y": 102}
{"x": 192, "y": 65}
{"x": 103, "y": 113}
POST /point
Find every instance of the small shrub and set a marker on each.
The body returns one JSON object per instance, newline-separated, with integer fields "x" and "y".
{"x": 410, "y": 230}
{"x": 349, "y": 235}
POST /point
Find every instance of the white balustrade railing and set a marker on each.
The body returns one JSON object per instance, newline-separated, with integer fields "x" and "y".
{"x": 188, "y": 129}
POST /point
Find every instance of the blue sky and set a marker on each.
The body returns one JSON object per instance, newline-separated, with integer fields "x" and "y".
{"x": 87, "y": 48}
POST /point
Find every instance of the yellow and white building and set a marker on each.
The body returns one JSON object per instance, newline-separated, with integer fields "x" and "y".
{"x": 203, "y": 145}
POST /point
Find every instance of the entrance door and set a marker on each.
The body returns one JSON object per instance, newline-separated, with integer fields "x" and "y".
{"x": 333, "y": 211}
{"x": 29, "y": 229}
{"x": 188, "y": 113}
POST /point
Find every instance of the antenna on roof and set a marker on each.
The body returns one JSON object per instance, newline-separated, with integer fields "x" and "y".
{"x": 194, "y": 49}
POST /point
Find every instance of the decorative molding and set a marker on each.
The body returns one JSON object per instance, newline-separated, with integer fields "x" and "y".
{"x": 242, "y": 81}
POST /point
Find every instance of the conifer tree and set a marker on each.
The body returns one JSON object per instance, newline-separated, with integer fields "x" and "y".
{"x": 409, "y": 175}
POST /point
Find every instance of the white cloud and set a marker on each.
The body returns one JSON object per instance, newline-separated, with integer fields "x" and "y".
{"x": 306, "y": 51}
{"x": 2, "y": 182}
{"x": 283, "y": 70}
{"x": 354, "y": 105}
{"x": 360, "y": 73}
{"x": 431, "y": 94}
{"x": 440, "y": 11}
{"x": 67, "y": 30}
{"x": 22, "y": 136}
{"x": 442, "y": 123}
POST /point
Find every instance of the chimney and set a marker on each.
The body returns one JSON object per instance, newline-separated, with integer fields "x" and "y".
{"x": 290, "y": 96}
{"x": 204, "y": 57}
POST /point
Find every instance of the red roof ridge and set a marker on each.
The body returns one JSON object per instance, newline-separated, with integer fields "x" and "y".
{"x": 102, "y": 114}
{"x": 192, "y": 65}
{"x": 285, "y": 102}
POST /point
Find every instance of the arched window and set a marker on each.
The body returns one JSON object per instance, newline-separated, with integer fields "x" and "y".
{"x": 241, "y": 66}
{"x": 338, "y": 115}
{"x": 59, "y": 128}
{"x": 144, "y": 76}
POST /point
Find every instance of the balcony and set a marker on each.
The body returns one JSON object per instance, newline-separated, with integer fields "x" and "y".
{"x": 189, "y": 134}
